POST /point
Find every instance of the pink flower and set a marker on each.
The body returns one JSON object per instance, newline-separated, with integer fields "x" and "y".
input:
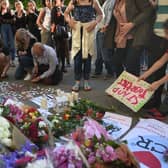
{"x": 91, "y": 159}
{"x": 93, "y": 128}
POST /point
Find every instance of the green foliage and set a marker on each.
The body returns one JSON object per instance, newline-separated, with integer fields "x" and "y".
{"x": 38, "y": 2}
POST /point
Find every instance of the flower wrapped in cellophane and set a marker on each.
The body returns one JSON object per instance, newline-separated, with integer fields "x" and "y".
{"x": 28, "y": 120}
{"x": 100, "y": 150}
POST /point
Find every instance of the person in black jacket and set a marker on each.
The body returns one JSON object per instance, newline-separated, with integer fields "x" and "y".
{"x": 32, "y": 15}
{"x": 24, "y": 41}
{"x": 129, "y": 32}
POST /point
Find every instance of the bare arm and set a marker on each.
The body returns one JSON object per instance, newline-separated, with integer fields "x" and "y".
{"x": 40, "y": 19}
{"x": 68, "y": 11}
{"x": 98, "y": 11}
{"x": 155, "y": 66}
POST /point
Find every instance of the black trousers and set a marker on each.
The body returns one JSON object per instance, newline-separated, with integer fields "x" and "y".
{"x": 128, "y": 58}
{"x": 54, "y": 79}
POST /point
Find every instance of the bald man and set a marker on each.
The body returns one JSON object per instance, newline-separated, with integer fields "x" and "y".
{"x": 45, "y": 64}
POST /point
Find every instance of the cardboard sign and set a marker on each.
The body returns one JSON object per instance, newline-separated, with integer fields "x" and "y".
{"x": 129, "y": 91}
{"x": 148, "y": 140}
{"x": 118, "y": 124}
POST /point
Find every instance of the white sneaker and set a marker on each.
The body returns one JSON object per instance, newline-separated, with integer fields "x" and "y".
{"x": 28, "y": 77}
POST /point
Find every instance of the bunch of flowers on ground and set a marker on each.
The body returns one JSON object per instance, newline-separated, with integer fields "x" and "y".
{"x": 29, "y": 121}
{"x": 64, "y": 123}
{"x": 99, "y": 150}
{"x": 5, "y": 132}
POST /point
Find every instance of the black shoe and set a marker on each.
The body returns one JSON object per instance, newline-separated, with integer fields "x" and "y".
{"x": 64, "y": 70}
{"x": 96, "y": 75}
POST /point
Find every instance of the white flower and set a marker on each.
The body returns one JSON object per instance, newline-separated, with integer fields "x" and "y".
{"x": 4, "y": 123}
{"x": 4, "y": 132}
{"x": 41, "y": 133}
{"x": 1, "y": 110}
{"x": 42, "y": 124}
{"x": 38, "y": 164}
{"x": 7, "y": 142}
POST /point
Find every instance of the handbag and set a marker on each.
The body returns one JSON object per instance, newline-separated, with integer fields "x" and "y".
{"x": 61, "y": 32}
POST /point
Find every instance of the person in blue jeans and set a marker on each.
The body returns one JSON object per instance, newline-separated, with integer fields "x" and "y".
{"x": 83, "y": 23}
{"x": 7, "y": 21}
{"x": 24, "y": 42}
{"x": 104, "y": 55}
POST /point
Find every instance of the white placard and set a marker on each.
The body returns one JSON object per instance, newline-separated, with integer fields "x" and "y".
{"x": 148, "y": 141}
{"x": 120, "y": 124}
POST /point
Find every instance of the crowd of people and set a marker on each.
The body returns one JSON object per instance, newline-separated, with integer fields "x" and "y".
{"x": 117, "y": 32}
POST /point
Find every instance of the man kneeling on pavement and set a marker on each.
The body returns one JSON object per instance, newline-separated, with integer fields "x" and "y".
{"x": 46, "y": 69}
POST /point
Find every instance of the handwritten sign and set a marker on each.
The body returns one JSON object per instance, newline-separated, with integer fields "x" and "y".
{"x": 116, "y": 125}
{"x": 129, "y": 91}
{"x": 148, "y": 140}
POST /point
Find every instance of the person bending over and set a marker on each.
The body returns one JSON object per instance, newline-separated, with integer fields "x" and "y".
{"x": 46, "y": 69}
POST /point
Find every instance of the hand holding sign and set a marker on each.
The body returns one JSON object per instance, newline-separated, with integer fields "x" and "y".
{"x": 127, "y": 90}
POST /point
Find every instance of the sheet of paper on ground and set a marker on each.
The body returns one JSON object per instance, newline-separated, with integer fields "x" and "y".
{"x": 149, "y": 140}
{"x": 129, "y": 91}
{"x": 118, "y": 124}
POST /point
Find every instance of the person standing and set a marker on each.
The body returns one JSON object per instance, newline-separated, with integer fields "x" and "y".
{"x": 44, "y": 21}
{"x": 59, "y": 30}
{"x": 32, "y": 15}
{"x": 20, "y": 16}
{"x": 104, "y": 55}
{"x": 129, "y": 31}
{"x": 83, "y": 24}
{"x": 6, "y": 22}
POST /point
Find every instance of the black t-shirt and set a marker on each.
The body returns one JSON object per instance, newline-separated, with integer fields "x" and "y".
{"x": 31, "y": 21}
{"x": 56, "y": 18}
{"x": 157, "y": 47}
{"x": 6, "y": 18}
{"x": 20, "y": 22}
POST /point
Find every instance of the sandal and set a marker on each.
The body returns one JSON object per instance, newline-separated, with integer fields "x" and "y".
{"x": 87, "y": 87}
{"x": 76, "y": 87}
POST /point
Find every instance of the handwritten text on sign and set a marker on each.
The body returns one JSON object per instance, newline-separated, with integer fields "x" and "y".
{"x": 130, "y": 92}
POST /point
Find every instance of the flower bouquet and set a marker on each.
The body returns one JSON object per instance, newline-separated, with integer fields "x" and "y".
{"x": 9, "y": 136}
{"x": 28, "y": 120}
{"x": 5, "y": 132}
{"x": 66, "y": 156}
{"x": 66, "y": 122}
{"x": 101, "y": 151}
{"x": 26, "y": 156}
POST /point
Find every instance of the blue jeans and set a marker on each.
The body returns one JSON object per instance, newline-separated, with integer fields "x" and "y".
{"x": 8, "y": 39}
{"x": 82, "y": 67}
{"x": 25, "y": 64}
{"x": 144, "y": 58}
{"x": 104, "y": 55}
